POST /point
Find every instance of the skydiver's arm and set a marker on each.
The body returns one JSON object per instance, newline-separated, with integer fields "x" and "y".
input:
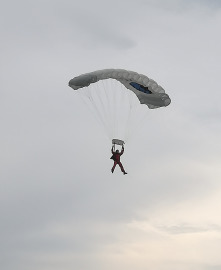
{"x": 122, "y": 151}
{"x": 112, "y": 150}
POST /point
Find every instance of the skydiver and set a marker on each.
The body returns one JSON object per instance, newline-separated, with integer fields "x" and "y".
{"x": 116, "y": 157}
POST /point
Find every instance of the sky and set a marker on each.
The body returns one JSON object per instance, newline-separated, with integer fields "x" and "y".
{"x": 60, "y": 206}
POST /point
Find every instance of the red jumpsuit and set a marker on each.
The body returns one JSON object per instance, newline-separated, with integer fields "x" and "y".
{"x": 116, "y": 158}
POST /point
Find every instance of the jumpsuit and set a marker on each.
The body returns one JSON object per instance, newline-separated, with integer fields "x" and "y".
{"x": 116, "y": 158}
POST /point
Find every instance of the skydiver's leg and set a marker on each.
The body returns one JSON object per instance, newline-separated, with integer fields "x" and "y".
{"x": 115, "y": 163}
{"x": 122, "y": 168}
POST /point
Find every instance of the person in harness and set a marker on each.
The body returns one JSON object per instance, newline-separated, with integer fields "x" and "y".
{"x": 116, "y": 157}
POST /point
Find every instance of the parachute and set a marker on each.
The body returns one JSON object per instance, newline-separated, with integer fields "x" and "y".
{"x": 107, "y": 92}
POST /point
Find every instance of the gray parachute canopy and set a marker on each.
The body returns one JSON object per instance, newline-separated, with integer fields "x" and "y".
{"x": 147, "y": 90}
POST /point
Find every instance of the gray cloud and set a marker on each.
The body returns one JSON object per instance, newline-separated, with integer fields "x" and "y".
{"x": 188, "y": 228}
{"x": 42, "y": 25}
{"x": 211, "y": 267}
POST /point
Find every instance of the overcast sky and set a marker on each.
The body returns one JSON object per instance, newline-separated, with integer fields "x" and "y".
{"x": 60, "y": 206}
